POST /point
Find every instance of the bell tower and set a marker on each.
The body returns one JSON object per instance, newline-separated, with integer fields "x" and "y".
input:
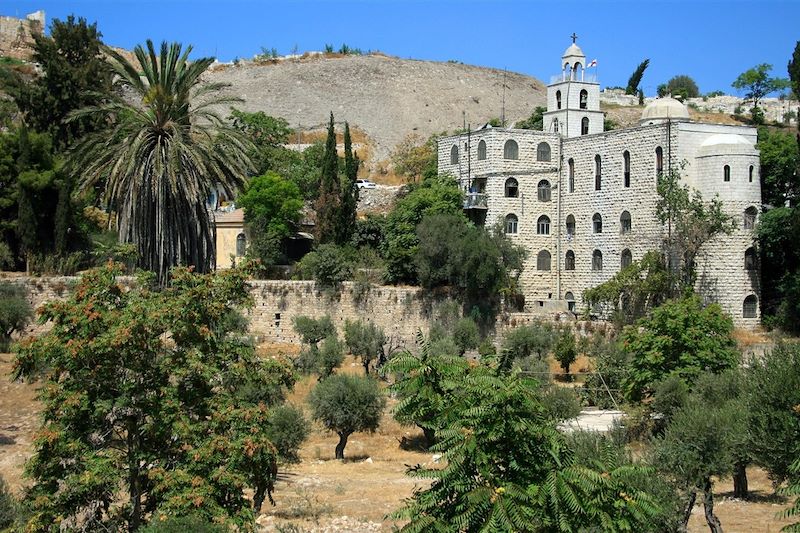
{"x": 573, "y": 97}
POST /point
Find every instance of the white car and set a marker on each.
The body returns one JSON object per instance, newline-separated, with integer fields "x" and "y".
{"x": 365, "y": 184}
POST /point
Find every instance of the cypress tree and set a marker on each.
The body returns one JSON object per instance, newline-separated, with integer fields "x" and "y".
{"x": 27, "y": 225}
{"x": 347, "y": 216}
{"x": 63, "y": 219}
{"x": 328, "y": 204}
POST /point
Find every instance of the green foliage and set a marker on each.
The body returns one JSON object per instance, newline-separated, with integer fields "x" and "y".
{"x": 313, "y": 330}
{"x": 774, "y": 413}
{"x": 170, "y": 135}
{"x": 272, "y": 207}
{"x": 636, "y": 77}
{"x": 423, "y": 383}
{"x": 74, "y": 75}
{"x": 328, "y": 204}
{"x": 609, "y": 124}
{"x": 669, "y": 396}
{"x": 780, "y": 159}
{"x": 287, "y": 429}
{"x": 522, "y": 342}
{"x": 439, "y": 195}
{"x": 180, "y": 524}
{"x": 416, "y": 158}
{"x": 508, "y": 469}
{"x": 604, "y": 387}
{"x": 466, "y": 335}
{"x": 792, "y": 489}
{"x": 692, "y": 222}
{"x": 349, "y": 201}
{"x": 141, "y": 407}
{"x": 368, "y": 232}
{"x": 565, "y": 350}
{"x": 15, "y": 311}
{"x": 757, "y": 84}
{"x": 633, "y": 291}
{"x": 794, "y": 70}
{"x": 680, "y": 86}
{"x": 268, "y": 135}
{"x": 533, "y": 122}
{"x": 560, "y": 403}
{"x": 778, "y": 234}
{"x": 328, "y": 265}
{"x": 680, "y": 338}
{"x": 8, "y": 506}
{"x": 347, "y": 404}
{"x": 365, "y": 340}
{"x": 479, "y": 265}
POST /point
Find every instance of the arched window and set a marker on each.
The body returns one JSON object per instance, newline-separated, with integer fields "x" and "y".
{"x": 543, "y": 260}
{"x": 625, "y": 222}
{"x": 511, "y": 223}
{"x": 598, "y": 173}
{"x": 543, "y": 191}
{"x": 543, "y": 152}
{"x": 726, "y": 173}
{"x": 511, "y": 149}
{"x": 750, "y": 259}
{"x": 543, "y": 225}
{"x": 569, "y": 260}
{"x": 750, "y": 307}
{"x": 570, "y": 298}
{"x": 750, "y": 215}
{"x": 597, "y": 223}
{"x": 482, "y": 150}
{"x": 585, "y": 126}
{"x": 454, "y": 155}
{"x": 571, "y": 166}
{"x": 241, "y": 245}
{"x": 626, "y": 168}
{"x": 512, "y": 188}
{"x": 659, "y": 160}
{"x": 555, "y": 125}
{"x": 584, "y": 99}
{"x": 626, "y": 258}
{"x": 558, "y": 99}
{"x": 597, "y": 260}
{"x": 751, "y": 174}
{"x": 570, "y": 226}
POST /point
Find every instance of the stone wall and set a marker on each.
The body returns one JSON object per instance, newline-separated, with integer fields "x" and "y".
{"x": 16, "y": 35}
{"x": 400, "y": 311}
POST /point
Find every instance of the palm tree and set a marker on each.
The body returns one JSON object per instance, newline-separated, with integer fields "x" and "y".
{"x": 160, "y": 157}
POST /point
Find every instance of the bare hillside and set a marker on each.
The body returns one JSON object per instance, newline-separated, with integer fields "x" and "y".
{"x": 385, "y": 97}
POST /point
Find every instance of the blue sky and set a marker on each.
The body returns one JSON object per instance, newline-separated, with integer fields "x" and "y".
{"x": 712, "y": 41}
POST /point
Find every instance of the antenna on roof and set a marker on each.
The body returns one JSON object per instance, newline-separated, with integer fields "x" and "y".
{"x": 464, "y": 119}
{"x": 503, "y": 109}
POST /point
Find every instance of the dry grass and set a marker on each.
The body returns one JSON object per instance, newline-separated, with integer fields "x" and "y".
{"x": 745, "y": 338}
{"x": 320, "y": 490}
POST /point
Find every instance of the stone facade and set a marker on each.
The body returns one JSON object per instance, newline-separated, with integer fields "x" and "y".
{"x": 587, "y": 203}
{"x": 16, "y": 35}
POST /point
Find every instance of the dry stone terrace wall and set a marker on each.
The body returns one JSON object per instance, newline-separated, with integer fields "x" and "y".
{"x": 400, "y": 311}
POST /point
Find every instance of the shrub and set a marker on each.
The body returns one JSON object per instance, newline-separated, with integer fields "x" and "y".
{"x": 313, "y": 330}
{"x": 465, "y": 335}
{"x": 560, "y": 403}
{"x": 365, "y": 340}
{"x": 328, "y": 265}
{"x": 524, "y": 341}
{"x": 8, "y": 506}
{"x": 347, "y": 404}
{"x": 182, "y": 524}
{"x": 288, "y": 429}
{"x": 330, "y": 356}
{"x": 15, "y": 311}
{"x": 565, "y": 351}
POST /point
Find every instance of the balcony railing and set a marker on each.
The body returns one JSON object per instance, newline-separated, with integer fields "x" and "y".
{"x": 587, "y": 78}
{"x": 475, "y": 200}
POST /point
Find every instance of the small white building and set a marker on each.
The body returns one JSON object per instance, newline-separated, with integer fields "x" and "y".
{"x": 583, "y": 200}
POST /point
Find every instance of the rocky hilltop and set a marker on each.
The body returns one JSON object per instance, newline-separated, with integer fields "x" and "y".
{"x": 385, "y": 97}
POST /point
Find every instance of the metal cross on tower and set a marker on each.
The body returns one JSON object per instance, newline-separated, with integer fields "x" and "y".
{"x": 574, "y": 37}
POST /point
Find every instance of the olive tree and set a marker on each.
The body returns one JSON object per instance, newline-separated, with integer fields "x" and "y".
{"x": 347, "y": 404}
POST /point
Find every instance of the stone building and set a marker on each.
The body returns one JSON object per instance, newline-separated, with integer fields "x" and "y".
{"x": 583, "y": 200}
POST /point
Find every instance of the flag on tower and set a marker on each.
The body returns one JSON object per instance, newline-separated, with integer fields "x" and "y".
{"x": 593, "y": 63}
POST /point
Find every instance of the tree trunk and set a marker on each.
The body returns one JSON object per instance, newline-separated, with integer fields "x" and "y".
{"x": 714, "y": 524}
{"x": 430, "y": 436}
{"x": 341, "y": 445}
{"x": 258, "y": 498}
{"x": 740, "y": 480}
{"x": 687, "y": 510}
{"x": 365, "y": 362}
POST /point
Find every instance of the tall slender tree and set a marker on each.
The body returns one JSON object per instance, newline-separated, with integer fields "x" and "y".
{"x": 349, "y": 204}
{"x": 636, "y": 78}
{"x": 329, "y": 202}
{"x": 160, "y": 157}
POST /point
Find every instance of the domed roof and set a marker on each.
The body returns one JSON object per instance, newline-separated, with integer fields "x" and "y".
{"x": 573, "y": 50}
{"x": 662, "y": 109}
